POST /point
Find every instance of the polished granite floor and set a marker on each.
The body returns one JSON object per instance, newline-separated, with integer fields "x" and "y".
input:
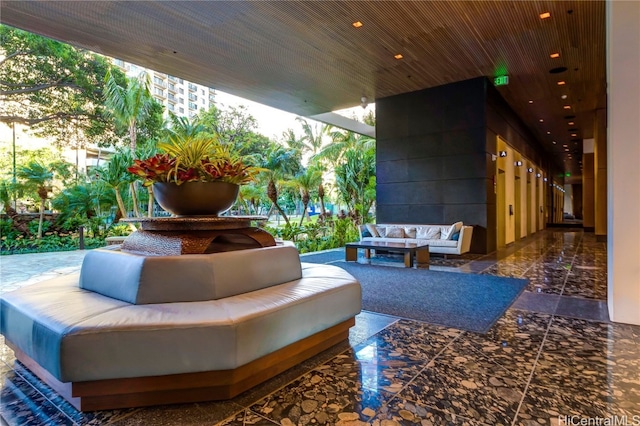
{"x": 552, "y": 359}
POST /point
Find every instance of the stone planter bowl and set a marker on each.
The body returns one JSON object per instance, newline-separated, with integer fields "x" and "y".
{"x": 196, "y": 198}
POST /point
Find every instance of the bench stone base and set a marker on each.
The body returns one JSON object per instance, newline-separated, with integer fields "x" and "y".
{"x": 187, "y": 387}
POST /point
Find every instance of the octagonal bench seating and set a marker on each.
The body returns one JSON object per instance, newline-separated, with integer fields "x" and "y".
{"x": 133, "y": 330}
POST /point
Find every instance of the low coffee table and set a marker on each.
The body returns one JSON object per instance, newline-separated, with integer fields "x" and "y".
{"x": 421, "y": 251}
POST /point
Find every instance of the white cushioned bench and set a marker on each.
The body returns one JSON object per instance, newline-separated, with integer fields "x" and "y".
{"x": 132, "y": 347}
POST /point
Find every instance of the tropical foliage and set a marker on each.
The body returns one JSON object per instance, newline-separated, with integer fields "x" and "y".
{"x": 53, "y": 88}
{"x": 76, "y": 98}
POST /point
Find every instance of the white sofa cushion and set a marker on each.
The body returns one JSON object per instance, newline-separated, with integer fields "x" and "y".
{"x": 436, "y": 242}
{"x": 428, "y": 232}
{"x": 410, "y": 231}
{"x": 394, "y": 232}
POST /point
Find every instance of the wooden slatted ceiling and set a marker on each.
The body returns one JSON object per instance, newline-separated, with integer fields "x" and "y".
{"x": 306, "y": 58}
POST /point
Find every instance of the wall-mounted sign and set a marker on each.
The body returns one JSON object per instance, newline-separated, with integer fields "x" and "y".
{"x": 502, "y": 80}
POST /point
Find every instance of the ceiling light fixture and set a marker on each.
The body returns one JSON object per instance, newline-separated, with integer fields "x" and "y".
{"x": 357, "y": 24}
{"x": 545, "y": 15}
{"x": 571, "y": 123}
{"x": 548, "y": 133}
{"x": 564, "y": 96}
{"x": 574, "y": 134}
{"x": 530, "y": 101}
{"x": 561, "y": 83}
{"x": 555, "y": 55}
{"x": 567, "y": 107}
{"x": 398, "y": 56}
{"x": 364, "y": 102}
{"x": 541, "y": 120}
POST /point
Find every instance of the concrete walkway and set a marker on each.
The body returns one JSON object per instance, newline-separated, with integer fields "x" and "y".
{"x": 18, "y": 270}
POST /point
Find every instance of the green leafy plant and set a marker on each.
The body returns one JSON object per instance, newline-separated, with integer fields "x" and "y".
{"x": 193, "y": 159}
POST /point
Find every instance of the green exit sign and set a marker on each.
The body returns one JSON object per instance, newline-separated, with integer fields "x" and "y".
{"x": 502, "y": 80}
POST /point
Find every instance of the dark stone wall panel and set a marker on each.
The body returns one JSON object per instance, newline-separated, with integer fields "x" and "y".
{"x": 464, "y": 191}
{"x": 392, "y": 171}
{"x": 464, "y": 141}
{"x": 420, "y": 146}
{"x": 469, "y": 213}
{"x": 464, "y": 167}
{"x": 428, "y": 192}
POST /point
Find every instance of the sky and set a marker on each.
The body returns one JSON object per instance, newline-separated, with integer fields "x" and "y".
{"x": 274, "y": 122}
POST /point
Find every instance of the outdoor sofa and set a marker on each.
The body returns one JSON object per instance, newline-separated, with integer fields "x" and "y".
{"x": 443, "y": 239}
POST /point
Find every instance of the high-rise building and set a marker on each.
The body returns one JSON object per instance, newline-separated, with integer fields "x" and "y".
{"x": 179, "y": 96}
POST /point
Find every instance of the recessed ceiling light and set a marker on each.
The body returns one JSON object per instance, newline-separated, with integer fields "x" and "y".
{"x": 541, "y": 120}
{"x": 554, "y": 142}
{"x": 565, "y": 145}
{"x": 561, "y": 83}
{"x": 567, "y": 107}
{"x": 574, "y": 134}
{"x": 357, "y": 24}
{"x": 398, "y": 56}
{"x": 555, "y": 55}
{"x": 564, "y": 96}
{"x": 545, "y": 15}
{"x": 571, "y": 123}
{"x": 548, "y": 133}
{"x": 530, "y": 101}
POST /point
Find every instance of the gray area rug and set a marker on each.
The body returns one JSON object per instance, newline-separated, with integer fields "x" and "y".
{"x": 464, "y": 301}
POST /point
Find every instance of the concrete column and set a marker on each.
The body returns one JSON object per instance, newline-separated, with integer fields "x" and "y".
{"x": 588, "y": 206}
{"x": 623, "y": 160}
{"x": 600, "y": 175}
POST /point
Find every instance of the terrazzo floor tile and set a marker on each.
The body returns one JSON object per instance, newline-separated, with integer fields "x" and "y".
{"x": 408, "y": 413}
{"x": 23, "y": 405}
{"x": 196, "y": 414}
{"x": 69, "y": 410}
{"x": 545, "y": 406}
{"x": 376, "y": 370}
{"x": 247, "y": 418}
{"x": 513, "y": 361}
{"x": 486, "y": 396}
{"x": 320, "y": 398}
{"x": 412, "y": 338}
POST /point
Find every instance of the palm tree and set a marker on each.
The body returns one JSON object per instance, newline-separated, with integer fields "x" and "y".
{"x": 341, "y": 142}
{"x": 356, "y": 182}
{"x": 38, "y": 177}
{"x": 114, "y": 174}
{"x": 279, "y": 162}
{"x": 130, "y": 104}
{"x": 312, "y": 138}
{"x": 305, "y": 182}
{"x": 323, "y": 211}
{"x": 6, "y": 189}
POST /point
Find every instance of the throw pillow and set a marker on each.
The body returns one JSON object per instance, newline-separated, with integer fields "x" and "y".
{"x": 409, "y": 232}
{"x": 394, "y": 232}
{"x": 447, "y": 232}
{"x": 365, "y": 232}
{"x": 455, "y": 236}
{"x": 372, "y": 230}
{"x": 382, "y": 231}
